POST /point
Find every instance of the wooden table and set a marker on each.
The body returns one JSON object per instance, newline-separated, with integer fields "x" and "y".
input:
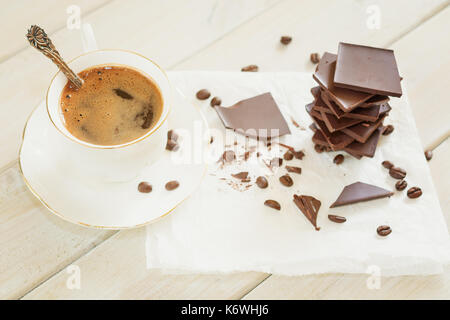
{"x": 36, "y": 248}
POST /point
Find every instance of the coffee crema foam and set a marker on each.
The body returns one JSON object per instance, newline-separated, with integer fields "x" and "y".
{"x": 115, "y": 105}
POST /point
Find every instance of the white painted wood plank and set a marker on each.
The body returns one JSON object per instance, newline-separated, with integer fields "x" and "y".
{"x": 111, "y": 272}
{"x": 17, "y": 16}
{"x": 34, "y": 244}
{"x": 440, "y": 170}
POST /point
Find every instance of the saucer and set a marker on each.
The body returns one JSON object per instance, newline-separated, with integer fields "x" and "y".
{"x": 80, "y": 199}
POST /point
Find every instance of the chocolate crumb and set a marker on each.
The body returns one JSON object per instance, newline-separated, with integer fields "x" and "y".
{"x": 228, "y": 155}
{"x": 288, "y": 155}
{"x": 299, "y": 154}
{"x": 428, "y": 155}
{"x": 297, "y": 170}
{"x": 276, "y": 162}
{"x": 250, "y": 68}
{"x": 240, "y": 175}
{"x": 315, "y": 58}
{"x": 172, "y": 145}
{"x": 171, "y": 135}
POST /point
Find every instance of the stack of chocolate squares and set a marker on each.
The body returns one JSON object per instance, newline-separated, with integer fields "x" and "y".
{"x": 351, "y": 100}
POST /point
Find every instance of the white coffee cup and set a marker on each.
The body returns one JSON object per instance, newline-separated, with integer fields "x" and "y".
{"x": 113, "y": 163}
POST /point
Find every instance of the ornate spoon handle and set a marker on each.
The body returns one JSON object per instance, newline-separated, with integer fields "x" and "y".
{"x": 39, "y": 39}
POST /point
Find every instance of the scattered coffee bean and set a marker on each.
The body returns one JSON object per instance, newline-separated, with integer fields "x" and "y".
{"x": 319, "y": 148}
{"x": 388, "y": 130}
{"x": 211, "y": 140}
{"x": 172, "y": 145}
{"x": 241, "y": 175}
{"x": 384, "y": 230}
{"x": 298, "y": 154}
{"x": 216, "y": 101}
{"x": 397, "y": 173}
{"x": 145, "y": 187}
{"x": 172, "y": 185}
{"x": 401, "y": 185}
{"x": 338, "y": 159}
{"x": 246, "y": 155}
{"x": 387, "y": 164}
{"x": 428, "y": 155}
{"x": 288, "y": 155}
{"x": 286, "y": 180}
{"x": 123, "y": 94}
{"x": 315, "y": 58}
{"x": 297, "y": 170}
{"x": 250, "y": 68}
{"x": 276, "y": 162}
{"x": 285, "y": 40}
{"x": 171, "y": 135}
{"x": 228, "y": 156}
{"x": 272, "y": 204}
{"x": 262, "y": 182}
{"x": 203, "y": 94}
{"x": 414, "y": 192}
{"x": 337, "y": 219}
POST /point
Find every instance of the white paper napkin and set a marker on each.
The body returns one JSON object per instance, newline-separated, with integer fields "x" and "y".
{"x": 221, "y": 229}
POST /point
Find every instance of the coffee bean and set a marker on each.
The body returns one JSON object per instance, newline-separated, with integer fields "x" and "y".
{"x": 285, "y": 40}
{"x": 272, "y": 204}
{"x": 384, "y": 230}
{"x": 145, "y": 187}
{"x": 172, "y": 185}
{"x": 216, "y": 101}
{"x": 319, "y": 148}
{"x": 250, "y": 68}
{"x": 286, "y": 180}
{"x": 288, "y": 155}
{"x": 228, "y": 156}
{"x": 338, "y": 159}
{"x": 171, "y": 135}
{"x": 337, "y": 219}
{"x": 211, "y": 140}
{"x": 401, "y": 185}
{"x": 240, "y": 175}
{"x": 276, "y": 162}
{"x": 428, "y": 155}
{"x": 203, "y": 94}
{"x": 397, "y": 173}
{"x": 388, "y": 130}
{"x": 172, "y": 145}
{"x": 294, "y": 169}
{"x": 387, "y": 164}
{"x": 262, "y": 182}
{"x": 315, "y": 58}
{"x": 414, "y": 192}
{"x": 298, "y": 154}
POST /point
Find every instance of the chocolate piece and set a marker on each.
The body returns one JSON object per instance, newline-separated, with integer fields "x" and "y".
{"x": 285, "y": 40}
{"x": 172, "y": 135}
{"x": 241, "y": 175}
{"x": 401, "y": 185}
{"x": 172, "y": 145}
{"x": 288, "y": 155}
{"x": 276, "y": 162}
{"x": 346, "y": 99}
{"x": 428, "y": 155}
{"x": 384, "y": 230}
{"x": 354, "y": 155}
{"x": 375, "y": 100}
{"x": 203, "y": 94}
{"x": 387, "y": 164}
{"x": 297, "y": 170}
{"x": 272, "y": 204}
{"x": 397, "y": 173}
{"x": 257, "y": 117}
{"x": 362, "y": 131}
{"x": 365, "y": 149}
{"x": 414, "y": 192}
{"x": 250, "y": 68}
{"x": 145, "y": 187}
{"x": 309, "y": 206}
{"x": 286, "y": 180}
{"x": 359, "y": 192}
{"x": 315, "y": 58}
{"x": 172, "y": 185}
{"x": 337, "y": 219}
{"x": 262, "y": 182}
{"x": 338, "y": 159}
{"x": 298, "y": 154}
{"x": 335, "y": 124}
{"x": 388, "y": 130}
{"x": 367, "y": 69}
{"x": 216, "y": 101}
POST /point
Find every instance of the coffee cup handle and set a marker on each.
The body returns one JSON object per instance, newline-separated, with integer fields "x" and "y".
{"x": 88, "y": 38}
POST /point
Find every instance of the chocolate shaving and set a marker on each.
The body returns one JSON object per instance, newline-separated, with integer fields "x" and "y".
{"x": 309, "y": 206}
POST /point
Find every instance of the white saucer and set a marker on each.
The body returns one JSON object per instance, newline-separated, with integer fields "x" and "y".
{"x": 79, "y": 199}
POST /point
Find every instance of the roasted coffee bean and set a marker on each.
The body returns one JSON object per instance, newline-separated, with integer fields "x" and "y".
{"x": 171, "y": 185}
{"x": 288, "y": 155}
{"x": 315, "y": 58}
{"x": 123, "y": 94}
{"x": 276, "y": 162}
{"x": 203, "y": 94}
{"x": 272, "y": 204}
{"x": 387, "y": 164}
{"x": 397, "y": 173}
{"x": 337, "y": 219}
{"x": 171, "y": 135}
{"x": 319, "y": 148}
{"x": 262, "y": 182}
{"x": 388, "y": 130}
{"x": 401, "y": 185}
{"x": 145, "y": 187}
{"x": 285, "y": 40}
{"x": 294, "y": 169}
{"x": 172, "y": 145}
{"x": 240, "y": 175}
{"x": 286, "y": 180}
{"x": 298, "y": 154}
{"x": 428, "y": 155}
{"x": 216, "y": 101}
{"x": 414, "y": 192}
{"x": 228, "y": 156}
{"x": 211, "y": 140}
{"x": 384, "y": 230}
{"x": 338, "y": 159}
{"x": 250, "y": 68}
